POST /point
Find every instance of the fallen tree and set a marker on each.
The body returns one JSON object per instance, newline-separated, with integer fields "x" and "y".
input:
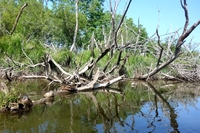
{"x": 86, "y": 77}
{"x": 177, "y": 52}
{"x": 90, "y": 76}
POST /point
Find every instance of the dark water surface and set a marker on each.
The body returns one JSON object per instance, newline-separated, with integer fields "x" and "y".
{"x": 156, "y": 107}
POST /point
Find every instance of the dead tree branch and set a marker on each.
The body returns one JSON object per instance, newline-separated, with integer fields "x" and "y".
{"x": 41, "y": 77}
{"x": 100, "y": 85}
{"x": 161, "y": 48}
{"x": 76, "y": 28}
{"x": 121, "y": 21}
{"x": 59, "y": 67}
{"x": 17, "y": 19}
{"x": 186, "y": 32}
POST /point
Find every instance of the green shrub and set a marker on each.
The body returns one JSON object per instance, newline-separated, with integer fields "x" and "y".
{"x": 11, "y": 45}
{"x": 9, "y": 97}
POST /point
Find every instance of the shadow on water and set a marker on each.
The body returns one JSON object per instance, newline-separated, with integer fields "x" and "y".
{"x": 145, "y": 107}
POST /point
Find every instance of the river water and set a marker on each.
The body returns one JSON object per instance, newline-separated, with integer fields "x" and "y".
{"x": 145, "y": 107}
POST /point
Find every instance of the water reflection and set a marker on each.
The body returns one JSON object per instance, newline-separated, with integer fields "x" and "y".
{"x": 172, "y": 115}
{"x": 143, "y": 108}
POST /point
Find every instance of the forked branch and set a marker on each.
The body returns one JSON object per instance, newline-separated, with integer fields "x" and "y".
{"x": 186, "y": 32}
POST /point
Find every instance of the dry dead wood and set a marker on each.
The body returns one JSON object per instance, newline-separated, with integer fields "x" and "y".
{"x": 186, "y": 32}
{"x": 76, "y": 28}
{"x": 75, "y": 81}
{"x": 17, "y": 18}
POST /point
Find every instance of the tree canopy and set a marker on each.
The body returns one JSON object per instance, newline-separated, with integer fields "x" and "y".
{"x": 53, "y": 21}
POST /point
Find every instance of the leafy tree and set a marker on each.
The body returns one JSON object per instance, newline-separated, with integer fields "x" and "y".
{"x": 64, "y": 11}
{"x": 93, "y": 9}
{"x": 8, "y": 13}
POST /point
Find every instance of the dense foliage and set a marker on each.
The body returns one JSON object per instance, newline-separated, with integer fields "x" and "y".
{"x": 44, "y": 25}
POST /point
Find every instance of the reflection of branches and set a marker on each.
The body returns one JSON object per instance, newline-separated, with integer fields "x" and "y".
{"x": 43, "y": 110}
{"x": 117, "y": 109}
{"x": 107, "y": 114}
{"x": 150, "y": 123}
{"x": 105, "y": 118}
{"x": 173, "y": 115}
{"x": 156, "y": 105}
{"x": 71, "y": 118}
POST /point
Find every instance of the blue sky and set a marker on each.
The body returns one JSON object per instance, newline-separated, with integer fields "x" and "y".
{"x": 171, "y": 15}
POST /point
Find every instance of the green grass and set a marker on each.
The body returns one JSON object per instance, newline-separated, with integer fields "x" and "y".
{"x": 64, "y": 57}
{"x": 138, "y": 65}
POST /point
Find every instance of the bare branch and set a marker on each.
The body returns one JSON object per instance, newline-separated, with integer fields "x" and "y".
{"x": 180, "y": 42}
{"x": 100, "y": 85}
{"x": 186, "y": 32}
{"x": 121, "y": 21}
{"x": 17, "y": 19}
{"x": 92, "y": 45}
{"x": 76, "y": 28}
{"x": 14, "y": 62}
{"x": 41, "y": 77}
{"x": 161, "y": 50}
{"x": 138, "y": 36}
{"x": 186, "y": 15}
{"x": 59, "y": 67}
{"x": 26, "y": 54}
